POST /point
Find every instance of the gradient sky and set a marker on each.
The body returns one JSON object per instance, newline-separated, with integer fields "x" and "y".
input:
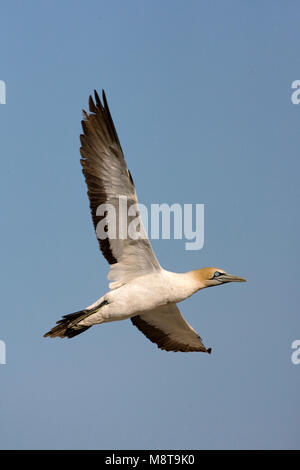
{"x": 200, "y": 92}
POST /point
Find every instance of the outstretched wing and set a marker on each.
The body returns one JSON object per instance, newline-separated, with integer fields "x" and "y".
{"x": 166, "y": 327}
{"x": 110, "y": 185}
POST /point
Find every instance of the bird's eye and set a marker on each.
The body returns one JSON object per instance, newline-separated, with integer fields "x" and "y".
{"x": 217, "y": 274}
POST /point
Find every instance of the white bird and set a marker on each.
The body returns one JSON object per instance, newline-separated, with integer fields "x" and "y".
{"x": 140, "y": 289}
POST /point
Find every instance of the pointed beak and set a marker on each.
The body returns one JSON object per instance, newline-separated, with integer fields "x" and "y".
{"x": 231, "y": 278}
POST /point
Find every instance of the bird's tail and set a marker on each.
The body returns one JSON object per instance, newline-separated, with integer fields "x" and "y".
{"x": 68, "y": 326}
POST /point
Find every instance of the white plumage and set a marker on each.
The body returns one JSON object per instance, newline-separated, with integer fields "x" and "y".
{"x": 140, "y": 288}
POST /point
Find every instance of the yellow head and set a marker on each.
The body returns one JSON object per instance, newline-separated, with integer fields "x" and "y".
{"x": 208, "y": 277}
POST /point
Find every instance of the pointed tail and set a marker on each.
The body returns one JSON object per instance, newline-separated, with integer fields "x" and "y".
{"x": 68, "y": 326}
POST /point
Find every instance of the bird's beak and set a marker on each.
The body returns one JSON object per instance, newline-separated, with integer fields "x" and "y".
{"x": 231, "y": 278}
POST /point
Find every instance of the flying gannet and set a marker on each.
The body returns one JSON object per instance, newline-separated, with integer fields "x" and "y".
{"x": 140, "y": 289}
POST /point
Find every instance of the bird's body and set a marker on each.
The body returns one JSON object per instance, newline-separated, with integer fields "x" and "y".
{"x": 142, "y": 294}
{"x": 140, "y": 289}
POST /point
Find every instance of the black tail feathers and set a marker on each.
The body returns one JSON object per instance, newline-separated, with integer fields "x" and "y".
{"x": 68, "y": 327}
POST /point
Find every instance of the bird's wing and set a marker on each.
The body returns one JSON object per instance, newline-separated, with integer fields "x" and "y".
{"x": 166, "y": 327}
{"x": 110, "y": 184}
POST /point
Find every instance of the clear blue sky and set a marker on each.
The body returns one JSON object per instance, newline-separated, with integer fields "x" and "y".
{"x": 200, "y": 94}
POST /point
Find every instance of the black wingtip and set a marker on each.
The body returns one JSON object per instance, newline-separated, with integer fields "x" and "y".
{"x": 209, "y": 350}
{"x": 92, "y": 106}
{"x": 104, "y": 99}
{"x": 97, "y": 99}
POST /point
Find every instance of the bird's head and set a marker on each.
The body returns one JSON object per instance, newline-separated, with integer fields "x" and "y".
{"x": 208, "y": 277}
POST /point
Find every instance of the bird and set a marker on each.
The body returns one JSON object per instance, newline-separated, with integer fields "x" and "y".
{"x": 140, "y": 289}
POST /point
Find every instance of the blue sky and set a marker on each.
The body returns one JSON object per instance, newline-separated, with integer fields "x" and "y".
{"x": 201, "y": 97}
